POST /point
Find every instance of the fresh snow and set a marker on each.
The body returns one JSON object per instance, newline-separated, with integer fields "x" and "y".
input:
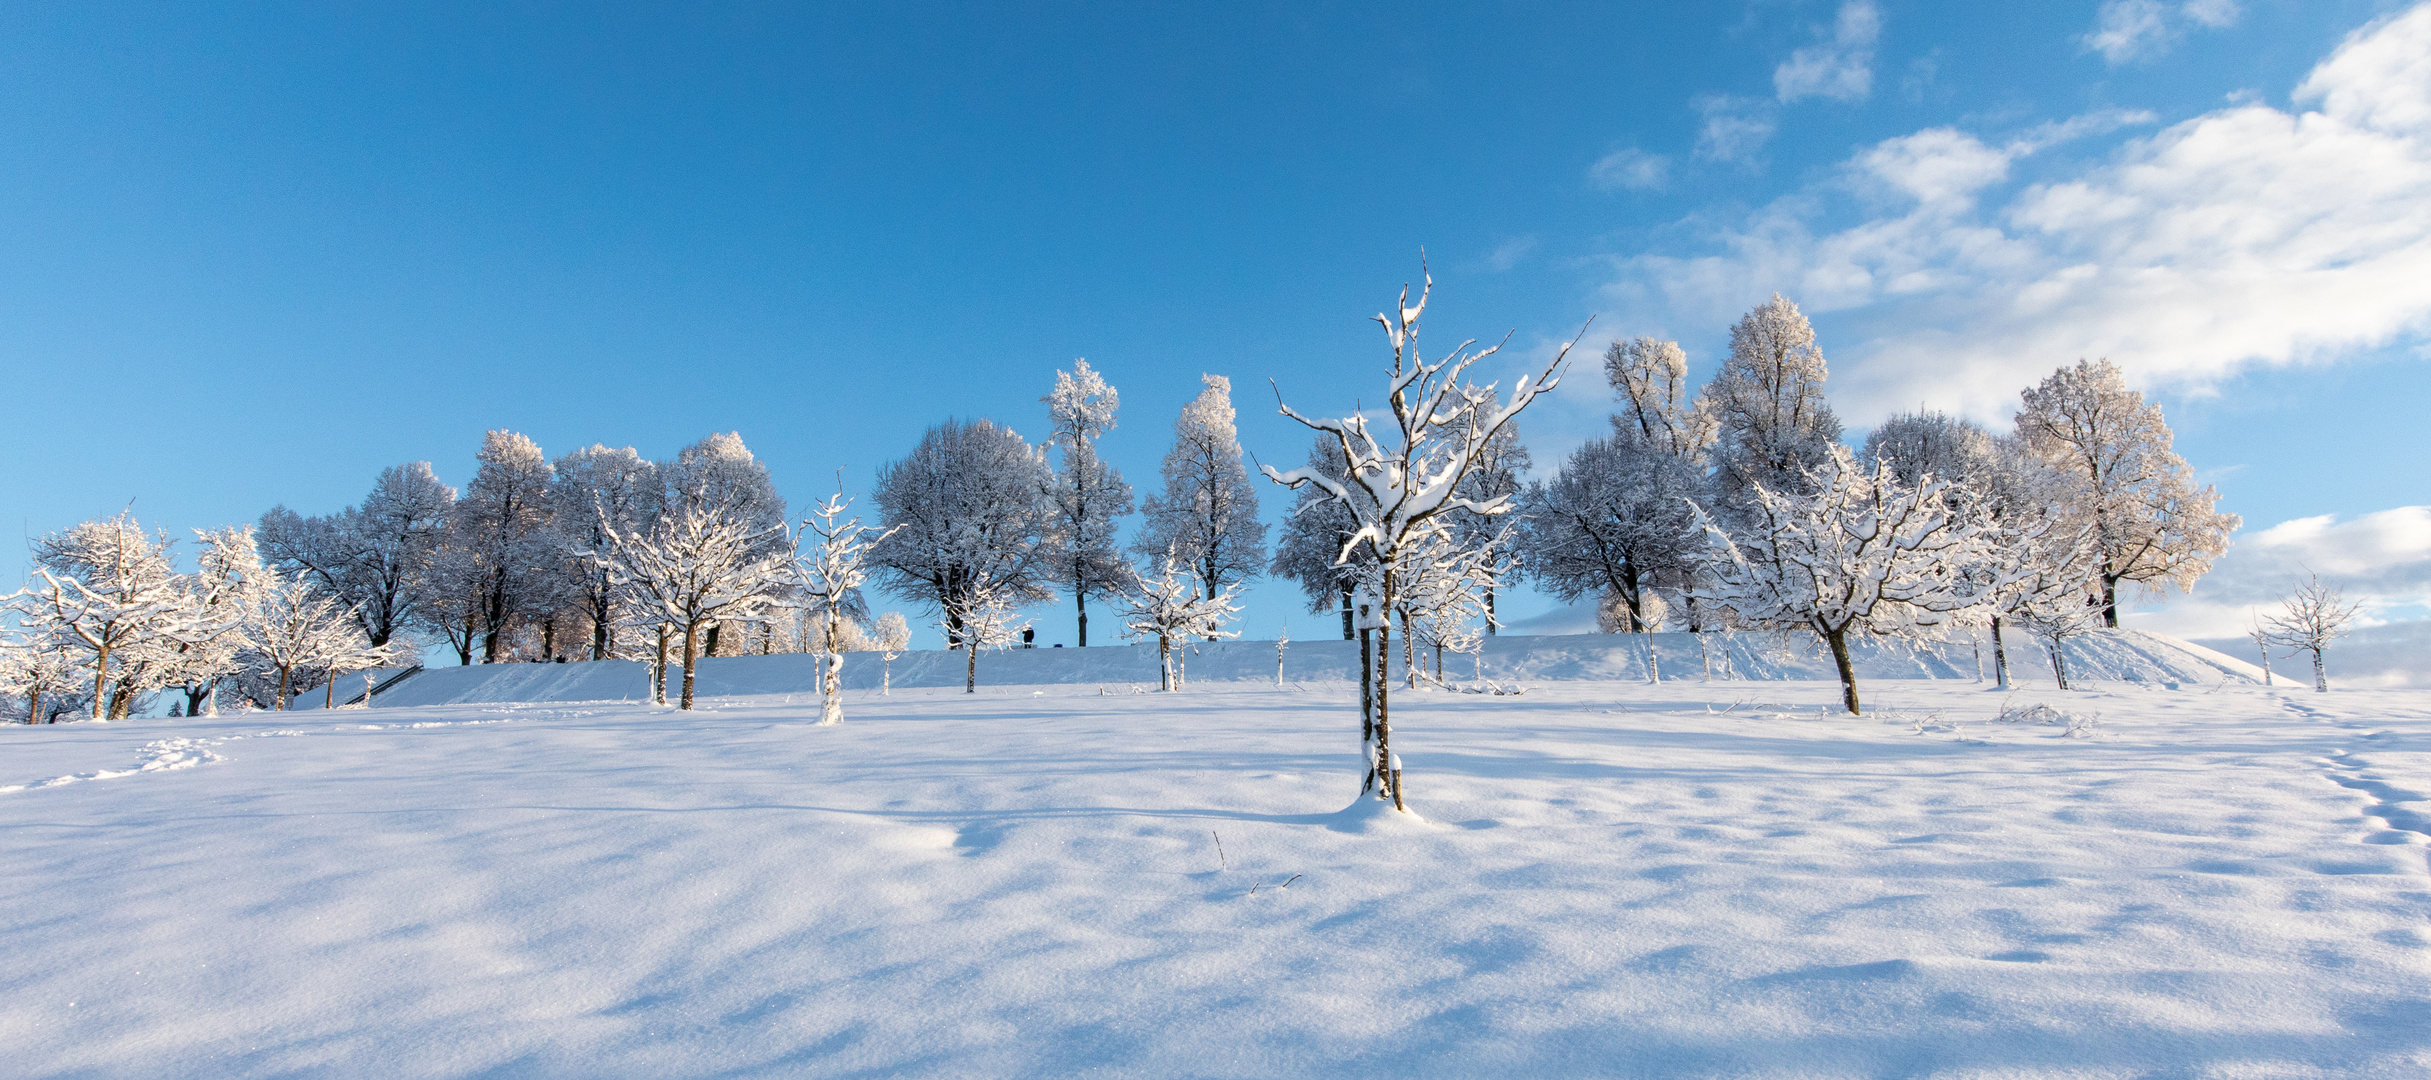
{"x": 1609, "y": 878}
{"x": 2131, "y": 656}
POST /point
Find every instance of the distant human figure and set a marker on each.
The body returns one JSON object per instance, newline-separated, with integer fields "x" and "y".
{"x": 1029, "y": 637}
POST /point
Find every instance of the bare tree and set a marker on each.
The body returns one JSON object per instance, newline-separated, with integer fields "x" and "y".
{"x": 1439, "y": 426}
{"x": 2314, "y": 615}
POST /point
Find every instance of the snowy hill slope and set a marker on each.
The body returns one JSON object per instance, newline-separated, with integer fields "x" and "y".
{"x": 2131, "y": 656}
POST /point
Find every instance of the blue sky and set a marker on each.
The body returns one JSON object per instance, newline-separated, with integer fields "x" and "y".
{"x": 253, "y": 254}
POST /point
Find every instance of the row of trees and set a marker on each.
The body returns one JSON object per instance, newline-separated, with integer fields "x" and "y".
{"x": 1735, "y": 507}
{"x": 110, "y": 621}
{"x": 1738, "y": 507}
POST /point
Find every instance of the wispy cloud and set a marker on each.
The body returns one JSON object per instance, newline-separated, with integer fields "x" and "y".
{"x": 1509, "y": 253}
{"x": 2245, "y": 236}
{"x": 1631, "y": 168}
{"x": 2125, "y": 31}
{"x": 1735, "y": 129}
{"x": 1841, "y": 66}
{"x": 2380, "y": 562}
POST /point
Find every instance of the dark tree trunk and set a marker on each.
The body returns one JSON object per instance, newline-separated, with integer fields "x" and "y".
{"x": 1347, "y": 631}
{"x": 2110, "y": 601}
{"x": 2000, "y": 657}
{"x": 689, "y": 630}
{"x": 599, "y": 639}
{"x": 970, "y": 667}
{"x": 710, "y": 649}
{"x": 1490, "y": 624}
{"x": 1384, "y": 716}
{"x": 1080, "y": 600}
{"x": 1839, "y": 640}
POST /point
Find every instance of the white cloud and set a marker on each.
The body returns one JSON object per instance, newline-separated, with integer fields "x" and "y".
{"x": 1631, "y": 168}
{"x": 2244, "y": 236}
{"x": 1736, "y": 128}
{"x": 2380, "y": 561}
{"x": 1509, "y": 253}
{"x": 2129, "y": 30}
{"x": 1840, "y": 67}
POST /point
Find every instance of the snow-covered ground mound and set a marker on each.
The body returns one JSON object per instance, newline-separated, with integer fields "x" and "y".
{"x": 2131, "y": 656}
{"x": 1608, "y": 879}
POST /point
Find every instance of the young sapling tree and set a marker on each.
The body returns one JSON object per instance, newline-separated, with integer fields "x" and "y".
{"x": 832, "y": 572}
{"x": 1393, "y": 487}
{"x": 2315, "y": 615}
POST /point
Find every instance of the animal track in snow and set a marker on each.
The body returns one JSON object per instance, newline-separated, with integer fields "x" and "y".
{"x": 159, "y": 755}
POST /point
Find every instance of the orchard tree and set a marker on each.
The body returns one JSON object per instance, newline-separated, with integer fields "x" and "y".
{"x": 1089, "y": 496}
{"x": 700, "y": 562}
{"x": 719, "y": 475}
{"x": 1208, "y": 513}
{"x": 1395, "y": 486}
{"x": 2151, "y": 525}
{"x": 293, "y": 625}
{"x": 1862, "y": 555}
{"x": 986, "y": 616}
{"x": 108, "y": 590}
{"x": 1171, "y": 604}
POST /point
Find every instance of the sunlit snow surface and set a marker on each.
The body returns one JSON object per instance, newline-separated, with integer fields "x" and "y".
{"x": 1613, "y": 879}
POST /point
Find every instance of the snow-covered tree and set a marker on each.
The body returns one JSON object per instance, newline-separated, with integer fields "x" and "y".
{"x": 969, "y": 503}
{"x": 2151, "y": 524}
{"x": 1316, "y": 534}
{"x": 509, "y": 558}
{"x": 109, "y": 590}
{"x": 701, "y": 561}
{"x": 985, "y": 616}
{"x": 294, "y": 625}
{"x": 598, "y": 490}
{"x": 41, "y": 668}
{"x": 1773, "y": 425}
{"x": 831, "y": 576}
{"x": 1089, "y": 496}
{"x": 228, "y": 580}
{"x": 1862, "y": 555}
{"x": 2262, "y": 645}
{"x": 1394, "y": 487}
{"x": 2312, "y": 616}
{"x": 1926, "y": 443}
{"x": 1170, "y": 604}
{"x": 1614, "y": 521}
{"x": 1649, "y": 378}
{"x": 1501, "y": 464}
{"x": 894, "y": 635}
{"x": 1448, "y": 579}
{"x": 719, "y": 471}
{"x": 1658, "y": 424}
{"x": 375, "y": 557}
{"x": 2042, "y": 557}
{"x": 1207, "y": 515}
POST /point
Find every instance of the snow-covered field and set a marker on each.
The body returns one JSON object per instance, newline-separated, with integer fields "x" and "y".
{"x": 1613, "y": 879}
